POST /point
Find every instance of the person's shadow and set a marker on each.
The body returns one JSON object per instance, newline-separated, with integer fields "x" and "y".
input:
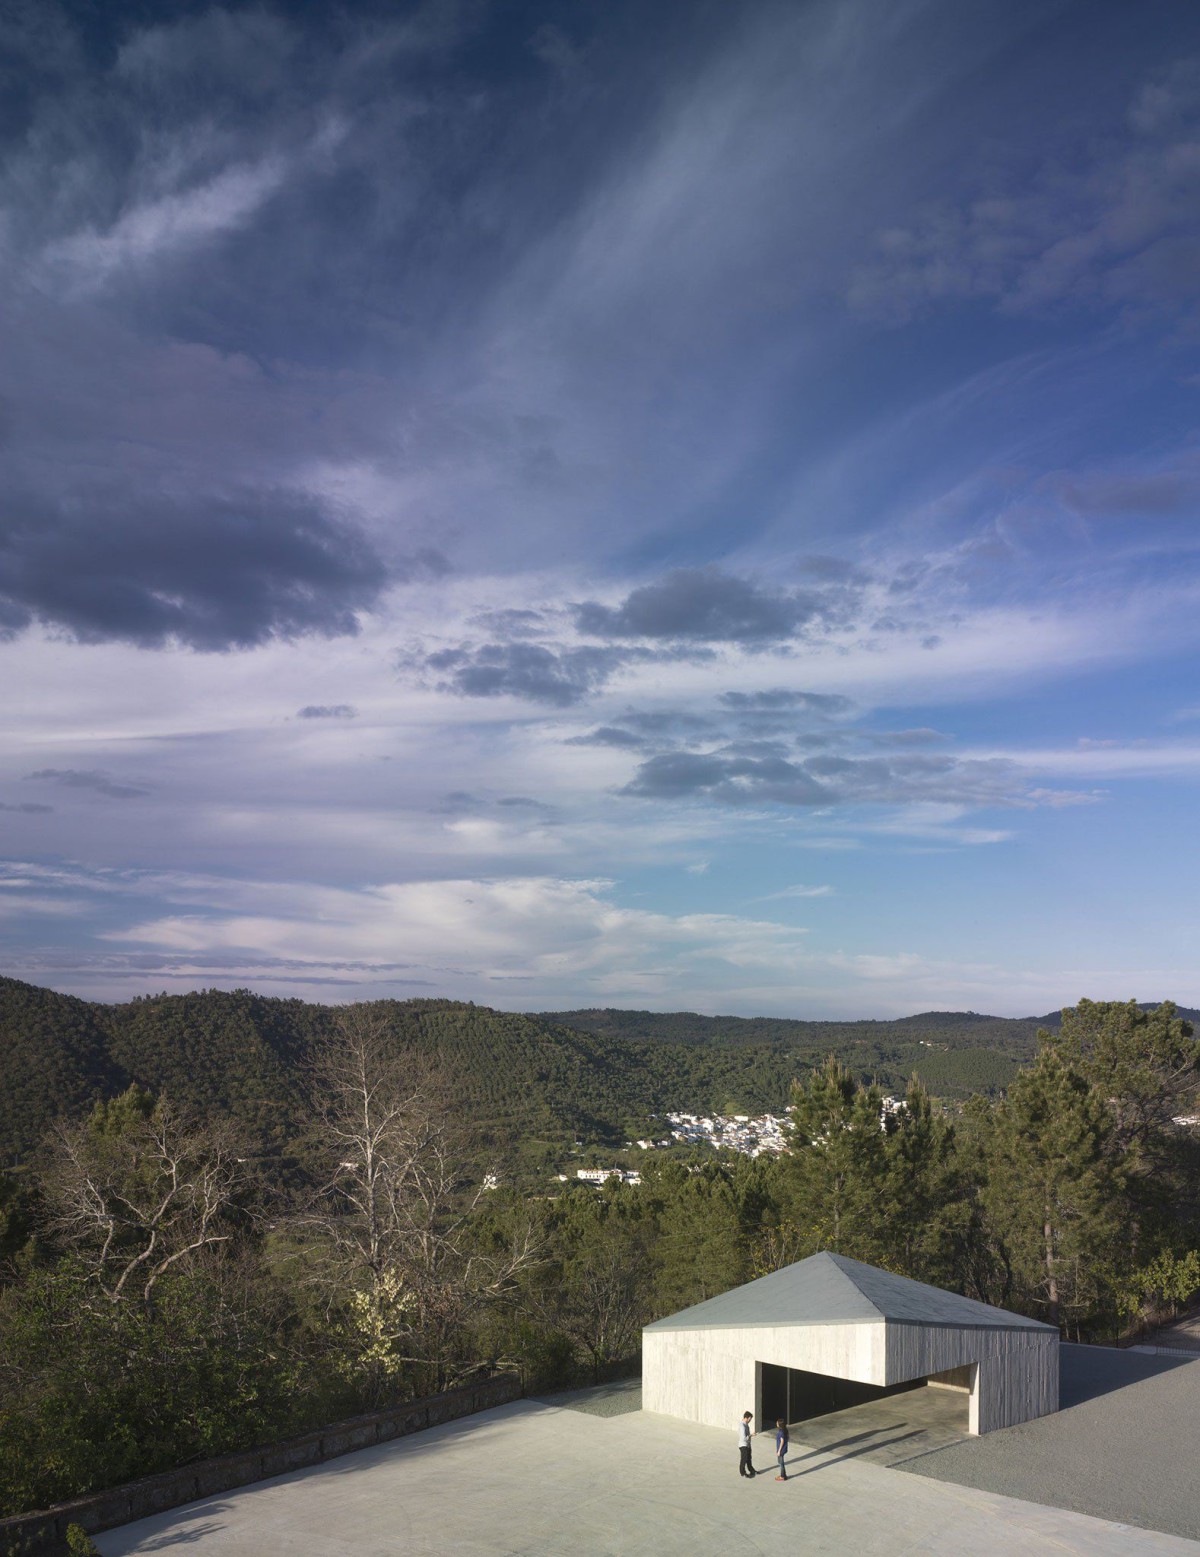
{"x": 841, "y": 1443}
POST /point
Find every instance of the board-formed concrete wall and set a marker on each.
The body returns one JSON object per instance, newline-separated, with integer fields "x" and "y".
{"x": 708, "y": 1375}
{"x": 1016, "y": 1371}
{"x": 701, "y": 1375}
{"x": 1016, "y": 1382}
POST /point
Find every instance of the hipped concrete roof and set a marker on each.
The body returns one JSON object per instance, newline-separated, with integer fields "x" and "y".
{"x": 830, "y": 1289}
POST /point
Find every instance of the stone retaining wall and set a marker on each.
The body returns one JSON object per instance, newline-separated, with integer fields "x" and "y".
{"x": 44, "y": 1534}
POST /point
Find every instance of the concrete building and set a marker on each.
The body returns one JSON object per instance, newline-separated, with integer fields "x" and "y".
{"x": 830, "y": 1332}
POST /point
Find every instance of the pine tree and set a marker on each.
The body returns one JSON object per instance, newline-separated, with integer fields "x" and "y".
{"x": 927, "y": 1207}
{"x": 838, "y": 1169}
{"x": 1055, "y": 1191}
{"x": 699, "y": 1248}
{"x": 1145, "y": 1064}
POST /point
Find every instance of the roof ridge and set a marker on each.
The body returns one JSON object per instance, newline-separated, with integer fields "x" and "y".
{"x": 836, "y": 1260}
{"x": 830, "y": 1288}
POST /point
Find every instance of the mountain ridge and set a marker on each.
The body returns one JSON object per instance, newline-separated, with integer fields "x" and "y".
{"x": 539, "y": 1078}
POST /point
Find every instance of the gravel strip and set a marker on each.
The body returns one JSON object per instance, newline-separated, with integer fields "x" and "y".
{"x": 615, "y": 1399}
{"x": 1123, "y": 1447}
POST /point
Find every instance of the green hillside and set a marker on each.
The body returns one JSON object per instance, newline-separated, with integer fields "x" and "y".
{"x": 55, "y": 1059}
{"x": 959, "y": 1029}
{"x": 543, "y": 1080}
{"x": 243, "y": 1055}
{"x": 954, "y": 1052}
{"x": 234, "y": 1053}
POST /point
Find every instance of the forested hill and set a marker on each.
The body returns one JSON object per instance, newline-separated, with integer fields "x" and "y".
{"x": 1188, "y": 1013}
{"x": 55, "y": 1058}
{"x": 542, "y": 1078}
{"x": 244, "y": 1055}
{"x": 960, "y": 1029}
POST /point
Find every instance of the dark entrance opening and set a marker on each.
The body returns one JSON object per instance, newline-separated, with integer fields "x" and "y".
{"x": 795, "y": 1395}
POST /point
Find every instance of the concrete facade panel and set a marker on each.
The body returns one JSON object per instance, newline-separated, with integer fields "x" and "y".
{"x": 1016, "y": 1382}
{"x": 708, "y": 1375}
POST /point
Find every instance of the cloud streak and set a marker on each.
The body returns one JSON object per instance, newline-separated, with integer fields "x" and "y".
{"x": 1108, "y": 226}
{"x": 750, "y": 777}
{"x": 158, "y": 229}
{"x": 531, "y": 943}
{"x": 74, "y": 778}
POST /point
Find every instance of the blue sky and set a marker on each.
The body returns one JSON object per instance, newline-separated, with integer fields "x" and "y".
{"x": 671, "y": 506}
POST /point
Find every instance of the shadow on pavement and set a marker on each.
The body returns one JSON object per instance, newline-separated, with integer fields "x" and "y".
{"x": 1087, "y": 1372}
{"x": 840, "y": 1443}
{"x": 852, "y": 1454}
{"x": 189, "y": 1535}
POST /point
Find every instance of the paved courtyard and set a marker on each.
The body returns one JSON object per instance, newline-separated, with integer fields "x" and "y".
{"x": 545, "y": 1480}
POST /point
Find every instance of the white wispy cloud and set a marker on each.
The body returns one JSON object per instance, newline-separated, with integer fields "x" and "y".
{"x": 156, "y": 229}
{"x": 1109, "y": 759}
{"x": 797, "y": 891}
{"x": 533, "y": 943}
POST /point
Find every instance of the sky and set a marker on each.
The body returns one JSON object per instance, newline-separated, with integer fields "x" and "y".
{"x": 602, "y": 504}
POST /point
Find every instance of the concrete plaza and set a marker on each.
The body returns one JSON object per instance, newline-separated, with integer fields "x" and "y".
{"x": 546, "y": 1480}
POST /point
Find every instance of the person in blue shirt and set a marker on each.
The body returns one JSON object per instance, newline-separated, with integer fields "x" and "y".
{"x": 781, "y": 1447}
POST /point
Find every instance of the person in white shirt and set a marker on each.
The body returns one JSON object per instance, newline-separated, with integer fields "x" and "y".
{"x": 745, "y": 1468}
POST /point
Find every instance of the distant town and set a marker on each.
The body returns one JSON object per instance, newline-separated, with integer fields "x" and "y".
{"x": 736, "y": 1132}
{"x": 752, "y": 1135}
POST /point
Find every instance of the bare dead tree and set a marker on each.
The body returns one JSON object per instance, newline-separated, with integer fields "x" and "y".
{"x": 394, "y": 1219}
{"x": 138, "y": 1188}
{"x": 602, "y": 1300}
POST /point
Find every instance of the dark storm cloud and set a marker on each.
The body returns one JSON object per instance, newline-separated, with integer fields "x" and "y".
{"x": 686, "y": 612}
{"x": 213, "y": 574}
{"x": 647, "y": 728}
{"x": 542, "y": 675}
{"x": 328, "y": 711}
{"x": 734, "y": 780}
{"x": 194, "y": 211}
{"x": 916, "y": 778}
{"x": 458, "y": 802}
{"x": 758, "y": 717}
{"x": 29, "y": 808}
{"x": 88, "y": 778}
{"x": 707, "y": 605}
{"x": 669, "y": 721}
{"x": 609, "y": 735}
{"x": 512, "y": 623}
{"x": 760, "y": 773}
